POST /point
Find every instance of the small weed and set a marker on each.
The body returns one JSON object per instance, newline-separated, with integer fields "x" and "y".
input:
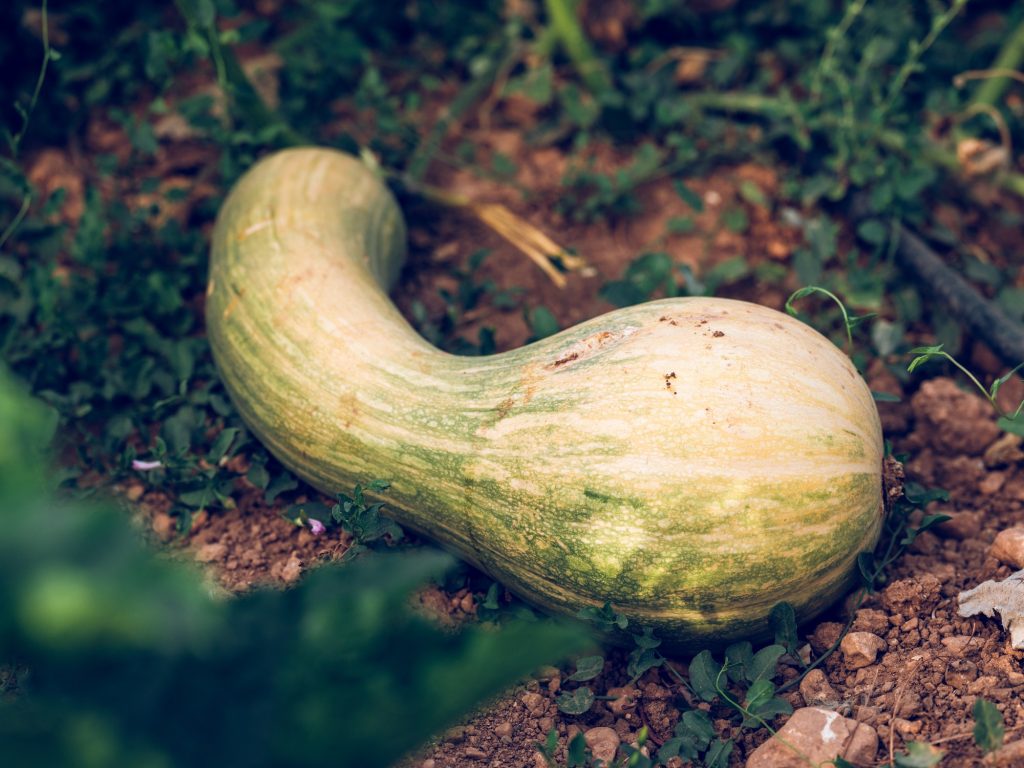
{"x": 849, "y": 322}
{"x": 1008, "y": 421}
{"x": 989, "y": 730}
{"x": 591, "y": 195}
{"x": 578, "y": 754}
{"x": 363, "y": 520}
{"x": 470, "y": 294}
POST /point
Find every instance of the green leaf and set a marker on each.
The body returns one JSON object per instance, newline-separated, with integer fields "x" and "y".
{"x": 542, "y": 323}
{"x": 578, "y": 754}
{"x": 929, "y": 521}
{"x": 759, "y": 693}
{"x": 998, "y": 383}
{"x": 752, "y": 193}
{"x": 885, "y": 397}
{"x": 762, "y": 704}
{"x": 919, "y": 755}
{"x": 704, "y": 672}
{"x": 920, "y": 496}
{"x": 1014, "y": 426}
{"x": 575, "y": 703}
{"x": 736, "y": 220}
{"x": 258, "y": 475}
{"x": 924, "y": 354}
{"x": 222, "y": 444}
{"x": 696, "y": 726}
{"x": 873, "y": 232}
{"x": 206, "y": 13}
{"x": 718, "y": 755}
{"x": 867, "y": 568}
{"x": 587, "y": 668}
{"x": 765, "y": 663}
{"x": 641, "y": 660}
{"x": 988, "y": 725}
{"x": 604, "y": 619}
{"x": 688, "y": 196}
{"x": 840, "y": 762}
{"x": 783, "y": 623}
{"x": 279, "y": 484}
{"x": 738, "y": 658}
{"x": 680, "y": 225}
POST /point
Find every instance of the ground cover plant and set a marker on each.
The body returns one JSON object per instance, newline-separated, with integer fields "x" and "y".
{"x": 554, "y": 160}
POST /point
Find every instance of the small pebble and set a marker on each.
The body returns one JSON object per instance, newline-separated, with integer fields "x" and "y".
{"x": 535, "y": 704}
{"x": 817, "y": 691}
{"x": 1007, "y": 756}
{"x": 603, "y": 742}
{"x": 292, "y": 569}
{"x": 1005, "y": 450}
{"x": 164, "y": 526}
{"x": 1008, "y": 547}
{"x": 860, "y": 649}
{"x": 624, "y": 700}
{"x": 960, "y": 644}
{"x": 208, "y": 553}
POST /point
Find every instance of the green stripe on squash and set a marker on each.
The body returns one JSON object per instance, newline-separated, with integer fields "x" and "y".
{"x": 694, "y": 461}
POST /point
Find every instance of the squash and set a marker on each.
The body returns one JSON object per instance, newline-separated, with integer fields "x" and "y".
{"x": 692, "y": 461}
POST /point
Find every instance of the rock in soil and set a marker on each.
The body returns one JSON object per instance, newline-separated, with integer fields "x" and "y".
{"x": 1007, "y": 756}
{"x": 960, "y": 526}
{"x": 209, "y": 553}
{"x": 860, "y": 649}
{"x": 959, "y": 422}
{"x": 1008, "y": 547}
{"x": 624, "y": 700}
{"x": 817, "y": 691}
{"x": 603, "y": 743}
{"x": 814, "y": 736}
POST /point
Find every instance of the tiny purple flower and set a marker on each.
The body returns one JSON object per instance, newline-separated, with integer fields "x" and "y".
{"x": 316, "y": 526}
{"x": 145, "y": 466}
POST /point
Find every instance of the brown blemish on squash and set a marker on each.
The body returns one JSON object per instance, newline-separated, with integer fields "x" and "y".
{"x": 588, "y": 346}
{"x": 348, "y": 408}
{"x": 504, "y": 407}
{"x": 718, "y": 334}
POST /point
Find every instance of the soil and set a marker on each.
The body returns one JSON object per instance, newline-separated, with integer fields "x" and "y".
{"x": 934, "y": 665}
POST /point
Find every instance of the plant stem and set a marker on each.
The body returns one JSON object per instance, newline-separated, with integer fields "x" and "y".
{"x": 975, "y": 381}
{"x": 15, "y": 141}
{"x": 427, "y": 148}
{"x": 834, "y": 36}
{"x": 1010, "y": 58}
{"x": 918, "y": 49}
{"x": 569, "y": 32}
{"x": 238, "y": 90}
{"x": 16, "y": 221}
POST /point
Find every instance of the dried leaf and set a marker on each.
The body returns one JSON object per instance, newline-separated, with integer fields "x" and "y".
{"x": 1003, "y": 597}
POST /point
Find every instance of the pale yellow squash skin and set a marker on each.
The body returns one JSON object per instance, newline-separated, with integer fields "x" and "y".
{"x": 692, "y": 461}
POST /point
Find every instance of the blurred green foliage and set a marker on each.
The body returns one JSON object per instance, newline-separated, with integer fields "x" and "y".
{"x": 111, "y": 655}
